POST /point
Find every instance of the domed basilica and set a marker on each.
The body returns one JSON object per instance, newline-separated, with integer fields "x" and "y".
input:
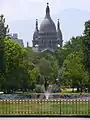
{"x": 47, "y": 38}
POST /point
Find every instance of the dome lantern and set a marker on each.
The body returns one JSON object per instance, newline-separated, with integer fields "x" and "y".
{"x": 47, "y": 25}
{"x": 47, "y": 10}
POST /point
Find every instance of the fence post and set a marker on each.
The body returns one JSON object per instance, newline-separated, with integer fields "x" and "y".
{"x": 88, "y": 107}
{"x": 60, "y": 106}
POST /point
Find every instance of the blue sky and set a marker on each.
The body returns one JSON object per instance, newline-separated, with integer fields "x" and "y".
{"x": 16, "y": 11}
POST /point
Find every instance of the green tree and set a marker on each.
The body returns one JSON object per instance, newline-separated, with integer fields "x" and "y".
{"x": 13, "y": 60}
{"x": 73, "y": 71}
{"x": 48, "y": 68}
{"x": 86, "y": 49}
{"x": 73, "y": 45}
{"x": 45, "y": 70}
{"x": 3, "y": 33}
{"x": 31, "y": 61}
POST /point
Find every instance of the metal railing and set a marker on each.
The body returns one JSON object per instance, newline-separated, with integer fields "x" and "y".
{"x": 44, "y": 107}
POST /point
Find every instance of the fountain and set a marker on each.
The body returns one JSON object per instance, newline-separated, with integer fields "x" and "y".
{"x": 46, "y": 92}
{"x": 47, "y": 95}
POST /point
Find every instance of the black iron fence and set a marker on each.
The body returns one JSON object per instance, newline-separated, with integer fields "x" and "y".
{"x": 44, "y": 107}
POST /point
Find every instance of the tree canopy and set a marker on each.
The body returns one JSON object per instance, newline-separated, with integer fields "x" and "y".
{"x": 23, "y": 69}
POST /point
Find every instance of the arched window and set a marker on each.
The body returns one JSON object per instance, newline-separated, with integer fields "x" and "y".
{"x": 50, "y": 42}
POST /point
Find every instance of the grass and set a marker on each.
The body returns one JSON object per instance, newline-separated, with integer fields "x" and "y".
{"x": 52, "y": 107}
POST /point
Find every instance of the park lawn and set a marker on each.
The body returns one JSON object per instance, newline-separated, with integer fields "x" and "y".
{"x": 52, "y": 107}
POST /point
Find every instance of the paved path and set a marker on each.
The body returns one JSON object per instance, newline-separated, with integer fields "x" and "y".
{"x": 47, "y": 118}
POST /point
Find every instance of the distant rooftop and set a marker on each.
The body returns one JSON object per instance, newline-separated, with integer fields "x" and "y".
{"x": 15, "y": 37}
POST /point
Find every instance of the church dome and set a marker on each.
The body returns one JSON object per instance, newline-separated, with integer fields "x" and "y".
{"x": 47, "y": 25}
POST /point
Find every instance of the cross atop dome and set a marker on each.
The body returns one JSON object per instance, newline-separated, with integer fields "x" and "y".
{"x": 47, "y": 3}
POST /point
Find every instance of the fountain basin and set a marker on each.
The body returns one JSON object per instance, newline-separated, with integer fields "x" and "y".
{"x": 37, "y": 96}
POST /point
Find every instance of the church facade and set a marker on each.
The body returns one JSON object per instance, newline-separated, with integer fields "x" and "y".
{"x": 47, "y": 38}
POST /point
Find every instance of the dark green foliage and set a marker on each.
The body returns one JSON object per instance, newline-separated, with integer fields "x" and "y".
{"x": 3, "y": 30}
{"x": 24, "y": 69}
{"x": 13, "y": 62}
{"x": 86, "y": 45}
{"x": 86, "y": 48}
{"x": 73, "y": 71}
{"x": 3, "y": 33}
{"x": 1, "y": 55}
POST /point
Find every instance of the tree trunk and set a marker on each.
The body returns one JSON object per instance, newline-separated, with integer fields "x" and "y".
{"x": 89, "y": 82}
{"x": 72, "y": 89}
{"x": 89, "y": 88}
{"x": 46, "y": 84}
{"x": 81, "y": 89}
{"x": 77, "y": 88}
